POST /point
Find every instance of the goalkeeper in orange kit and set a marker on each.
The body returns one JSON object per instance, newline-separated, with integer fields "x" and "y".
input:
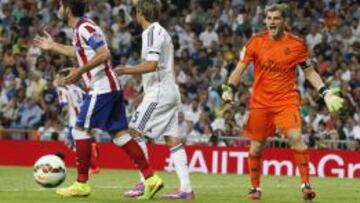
{"x": 275, "y": 99}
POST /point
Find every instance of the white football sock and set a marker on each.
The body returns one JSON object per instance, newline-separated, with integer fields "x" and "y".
{"x": 179, "y": 158}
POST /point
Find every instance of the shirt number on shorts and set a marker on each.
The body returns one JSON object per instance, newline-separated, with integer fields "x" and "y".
{"x": 135, "y": 117}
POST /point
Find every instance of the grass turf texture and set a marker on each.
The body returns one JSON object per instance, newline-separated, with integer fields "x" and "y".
{"x": 18, "y": 186}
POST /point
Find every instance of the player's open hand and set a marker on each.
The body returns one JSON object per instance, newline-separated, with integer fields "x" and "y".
{"x": 44, "y": 42}
{"x": 73, "y": 76}
{"x": 60, "y": 77}
{"x": 333, "y": 102}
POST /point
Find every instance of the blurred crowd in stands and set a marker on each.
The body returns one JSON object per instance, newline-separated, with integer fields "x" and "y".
{"x": 208, "y": 36}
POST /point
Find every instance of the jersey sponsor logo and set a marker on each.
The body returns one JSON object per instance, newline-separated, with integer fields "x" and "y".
{"x": 264, "y": 48}
{"x": 271, "y": 66}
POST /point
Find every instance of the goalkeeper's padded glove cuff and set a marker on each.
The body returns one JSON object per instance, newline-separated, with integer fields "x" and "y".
{"x": 323, "y": 91}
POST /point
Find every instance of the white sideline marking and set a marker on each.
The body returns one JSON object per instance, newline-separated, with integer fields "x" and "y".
{"x": 176, "y": 187}
{"x": 10, "y": 189}
{"x": 23, "y": 189}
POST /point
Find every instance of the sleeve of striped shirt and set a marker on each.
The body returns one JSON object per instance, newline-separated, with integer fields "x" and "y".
{"x": 154, "y": 42}
{"x": 92, "y": 35}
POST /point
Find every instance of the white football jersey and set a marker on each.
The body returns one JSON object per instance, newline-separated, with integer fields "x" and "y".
{"x": 87, "y": 38}
{"x": 72, "y": 96}
{"x": 157, "y": 46}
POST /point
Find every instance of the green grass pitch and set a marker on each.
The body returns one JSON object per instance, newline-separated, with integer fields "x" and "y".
{"x": 17, "y": 186}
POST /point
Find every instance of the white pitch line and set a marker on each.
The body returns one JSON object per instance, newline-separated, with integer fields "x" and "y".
{"x": 172, "y": 187}
{"x": 122, "y": 187}
{"x": 23, "y": 190}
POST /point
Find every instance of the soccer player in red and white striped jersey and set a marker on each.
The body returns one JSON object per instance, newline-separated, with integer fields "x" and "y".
{"x": 103, "y": 105}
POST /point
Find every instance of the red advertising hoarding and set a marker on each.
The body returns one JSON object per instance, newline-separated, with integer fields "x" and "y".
{"x": 203, "y": 159}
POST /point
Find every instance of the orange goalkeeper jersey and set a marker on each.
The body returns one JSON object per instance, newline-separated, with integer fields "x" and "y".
{"x": 275, "y": 65}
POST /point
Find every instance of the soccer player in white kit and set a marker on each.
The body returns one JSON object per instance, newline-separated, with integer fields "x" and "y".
{"x": 71, "y": 98}
{"x": 157, "y": 115}
{"x": 103, "y": 105}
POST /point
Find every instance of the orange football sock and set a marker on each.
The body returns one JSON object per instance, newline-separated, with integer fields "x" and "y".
{"x": 302, "y": 162}
{"x": 254, "y": 163}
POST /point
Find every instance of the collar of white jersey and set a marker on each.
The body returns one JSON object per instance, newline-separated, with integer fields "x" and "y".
{"x": 151, "y": 25}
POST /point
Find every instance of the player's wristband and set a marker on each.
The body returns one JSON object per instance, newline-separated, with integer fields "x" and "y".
{"x": 323, "y": 91}
{"x": 82, "y": 70}
{"x": 233, "y": 89}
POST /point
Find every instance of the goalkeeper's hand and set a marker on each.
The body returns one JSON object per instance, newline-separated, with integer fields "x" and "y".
{"x": 332, "y": 101}
{"x": 227, "y": 92}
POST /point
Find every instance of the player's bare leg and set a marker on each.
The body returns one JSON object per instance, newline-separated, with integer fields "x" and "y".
{"x": 301, "y": 155}
{"x": 179, "y": 158}
{"x": 254, "y": 163}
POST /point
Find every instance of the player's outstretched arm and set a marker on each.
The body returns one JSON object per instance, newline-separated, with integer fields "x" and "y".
{"x": 101, "y": 56}
{"x": 333, "y": 102}
{"x": 47, "y": 43}
{"x": 234, "y": 80}
{"x": 146, "y": 67}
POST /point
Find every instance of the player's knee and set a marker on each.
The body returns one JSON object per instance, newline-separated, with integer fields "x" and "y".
{"x": 255, "y": 151}
{"x": 134, "y": 133}
{"x": 256, "y": 148}
{"x": 296, "y": 141}
{"x": 172, "y": 141}
{"x": 80, "y": 134}
{"x": 298, "y": 144}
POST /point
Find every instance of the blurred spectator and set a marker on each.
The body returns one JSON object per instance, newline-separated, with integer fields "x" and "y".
{"x": 314, "y": 37}
{"x": 35, "y": 86}
{"x": 52, "y": 131}
{"x": 193, "y": 111}
{"x": 30, "y": 115}
{"x": 183, "y": 125}
{"x": 209, "y": 36}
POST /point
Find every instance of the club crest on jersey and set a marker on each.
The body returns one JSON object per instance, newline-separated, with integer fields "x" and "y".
{"x": 287, "y": 51}
{"x": 97, "y": 37}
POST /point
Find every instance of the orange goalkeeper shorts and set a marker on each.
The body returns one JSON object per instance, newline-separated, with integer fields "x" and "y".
{"x": 262, "y": 123}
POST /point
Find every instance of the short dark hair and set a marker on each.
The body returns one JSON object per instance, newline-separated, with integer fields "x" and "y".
{"x": 77, "y": 7}
{"x": 150, "y": 9}
{"x": 282, "y": 8}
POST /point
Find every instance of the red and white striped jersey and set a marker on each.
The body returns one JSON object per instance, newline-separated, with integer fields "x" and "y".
{"x": 87, "y": 38}
{"x": 72, "y": 96}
